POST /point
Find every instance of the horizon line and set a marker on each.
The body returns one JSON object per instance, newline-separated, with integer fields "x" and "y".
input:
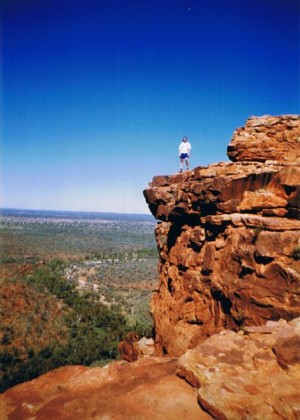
{"x": 75, "y": 211}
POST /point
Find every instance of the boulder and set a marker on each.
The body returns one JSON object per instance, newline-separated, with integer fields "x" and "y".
{"x": 148, "y": 388}
{"x": 253, "y": 373}
{"x": 129, "y": 348}
{"x": 267, "y": 138}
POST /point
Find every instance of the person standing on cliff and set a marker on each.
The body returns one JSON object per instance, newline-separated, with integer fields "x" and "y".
{"x": 184, "y": 153}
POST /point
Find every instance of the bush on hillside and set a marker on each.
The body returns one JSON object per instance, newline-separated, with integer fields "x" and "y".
{"x": 93, "y": 332}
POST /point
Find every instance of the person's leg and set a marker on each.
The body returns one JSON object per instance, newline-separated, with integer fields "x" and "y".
{"x": 181, "y": 164}
{"x": 187, "y": 163}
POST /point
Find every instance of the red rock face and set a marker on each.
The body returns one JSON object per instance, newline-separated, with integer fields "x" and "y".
{"x": 251, "y": 374}
{"x": 145, "y": 389}
{"x": 229, "y": 238}
{"x": 229, "y": 246}
{"x": 267, "y": 138}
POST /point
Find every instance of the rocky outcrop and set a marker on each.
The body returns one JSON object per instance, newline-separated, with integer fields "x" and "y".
{"x": 145, "y": 389}
{"x": 131, "y": 348}
{"x": 229, "y": 264}
{"x": 229, "y": 238}
{"x": 250, "y": 374}
{"x": 267, "y": 138}
{"x": 128, "y": 348}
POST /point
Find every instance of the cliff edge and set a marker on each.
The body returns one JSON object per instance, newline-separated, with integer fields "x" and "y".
{"x": 229, "y": 238}
{"x": 227, "y": 310}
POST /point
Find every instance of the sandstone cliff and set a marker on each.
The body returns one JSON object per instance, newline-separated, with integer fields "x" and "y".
{"x": 229, "y": 238}
{"x": 229, "y": 247}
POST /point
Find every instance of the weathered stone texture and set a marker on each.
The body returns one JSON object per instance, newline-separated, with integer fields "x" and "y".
{"x": 267, "y": 138}
{"x": 229, "y": 265}
{"x": 248, "y": 374}
{"x": 142, "y": 390}
{"x": 227, "y": 238}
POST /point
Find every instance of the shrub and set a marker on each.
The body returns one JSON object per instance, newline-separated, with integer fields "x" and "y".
{"x": 93, "y": 332}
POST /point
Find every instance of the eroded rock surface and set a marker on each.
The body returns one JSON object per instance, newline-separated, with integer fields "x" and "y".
{"x": 131, "y": 348}
{"x": 229, "y": 246}
{"x": 145, "y": 389}
{"x": 267, "y": 138}
{"x": 251, "y": 374}
{"x": 229, "y": 238}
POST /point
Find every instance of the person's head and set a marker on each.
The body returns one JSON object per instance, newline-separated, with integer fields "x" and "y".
{"x": 185, "y": 139}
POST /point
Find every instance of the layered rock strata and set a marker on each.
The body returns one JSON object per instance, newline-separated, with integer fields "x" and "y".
{"x": 252, "y": 374}
{"x": 266, "y": 138}
{"x": 229, "y": 238}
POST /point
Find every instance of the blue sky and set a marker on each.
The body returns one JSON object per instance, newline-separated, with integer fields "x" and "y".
{"x": 96, "y": 95}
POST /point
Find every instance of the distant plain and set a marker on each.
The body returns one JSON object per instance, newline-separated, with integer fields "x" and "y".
{"x": 107, "y": 258}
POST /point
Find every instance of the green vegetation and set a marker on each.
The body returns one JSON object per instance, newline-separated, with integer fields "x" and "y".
{"x": 33, "y": 238}
{"x": 92, "y": 332}
{"x": 71, "y": 290}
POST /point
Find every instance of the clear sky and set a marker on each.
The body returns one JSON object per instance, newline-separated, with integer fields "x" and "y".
{"x": 97, "y": 94}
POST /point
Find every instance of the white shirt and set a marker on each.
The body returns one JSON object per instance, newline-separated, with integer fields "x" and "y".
{"x": 185, "y": 147}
